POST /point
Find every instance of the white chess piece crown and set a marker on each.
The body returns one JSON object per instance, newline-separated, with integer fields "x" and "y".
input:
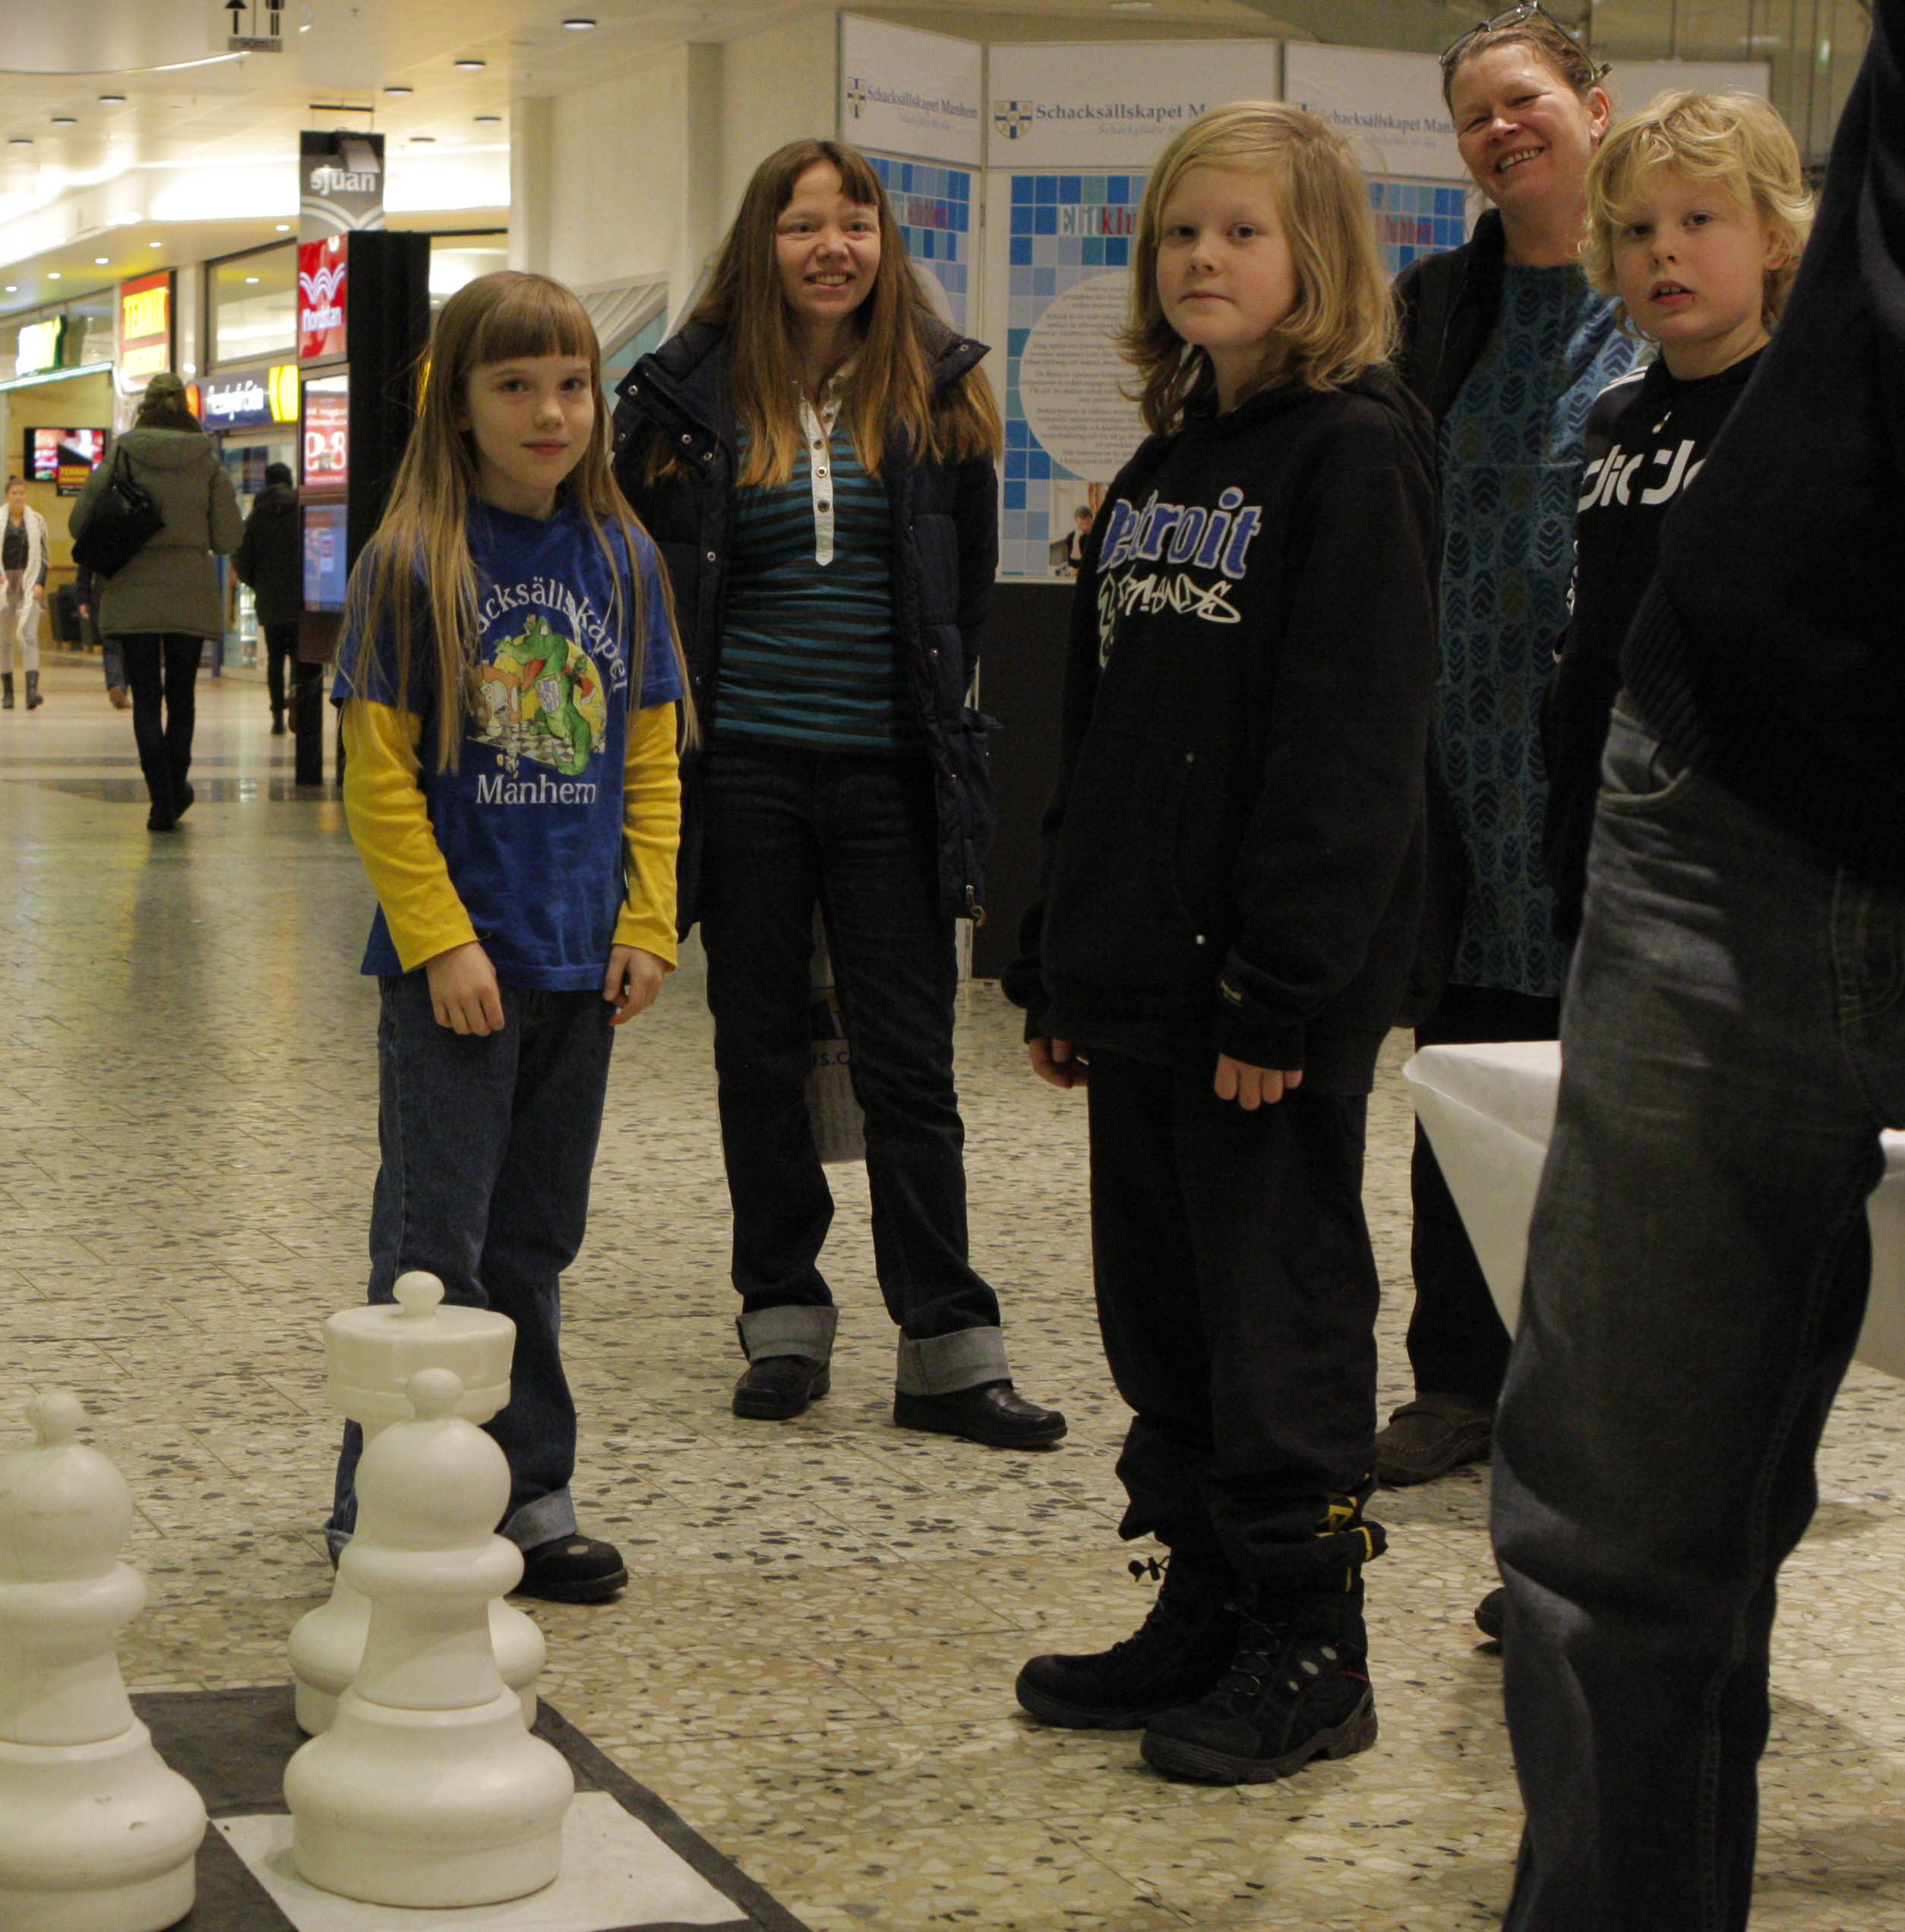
{"x": 96, "y": 1835}
{"x": 370, "y": 1354}
{"x": 427, "y": 1791}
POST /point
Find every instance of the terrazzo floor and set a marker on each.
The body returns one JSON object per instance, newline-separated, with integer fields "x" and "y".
{"x": 813, "y": 1662}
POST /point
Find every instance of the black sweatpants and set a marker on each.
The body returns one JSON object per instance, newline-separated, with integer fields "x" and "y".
{"x": 1237, "y": 1294}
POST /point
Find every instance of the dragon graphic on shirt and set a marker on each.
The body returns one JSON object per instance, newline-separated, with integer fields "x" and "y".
{"x": 543, "y": 699}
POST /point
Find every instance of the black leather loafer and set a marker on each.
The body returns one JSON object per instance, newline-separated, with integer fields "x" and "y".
{"x": 778, "y": 1387}
{"x": 992, "y": 1413}
{"x": 572, "y": 1569}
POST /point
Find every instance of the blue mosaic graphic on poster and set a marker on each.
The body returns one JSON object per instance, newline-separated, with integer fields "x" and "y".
{"x": 932, "y": 209}
{"x": 1069, "y": 426}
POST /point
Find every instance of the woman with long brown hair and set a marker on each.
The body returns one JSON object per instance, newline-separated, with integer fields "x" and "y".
{"x": 814, "y": 454}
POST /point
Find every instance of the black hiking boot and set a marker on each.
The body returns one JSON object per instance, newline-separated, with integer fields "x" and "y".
{"x": 1296, "y": 1687}
{"x": 1174, "y": 1655}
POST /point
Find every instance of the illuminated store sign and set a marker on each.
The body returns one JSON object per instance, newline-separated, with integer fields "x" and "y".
{"x": 251, "y": 401}
{"x": 145, "y": 328}
{"x": 322, "y": 297}
{"x": 41, "y": 344}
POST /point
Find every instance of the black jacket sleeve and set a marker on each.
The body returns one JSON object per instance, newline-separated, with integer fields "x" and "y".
{"x": 1340, "y": 802}
{"x": 976, "y": 514}
{"x": 1023, "y": 981}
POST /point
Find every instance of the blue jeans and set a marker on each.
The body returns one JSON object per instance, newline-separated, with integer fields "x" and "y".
{"x": 1733, "y": 1038}
{"x": 787, "y": 829}
{"x": 488, "y": 1143}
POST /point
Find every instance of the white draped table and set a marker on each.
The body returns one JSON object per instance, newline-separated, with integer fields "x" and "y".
{"x": 1488, "y": 1110}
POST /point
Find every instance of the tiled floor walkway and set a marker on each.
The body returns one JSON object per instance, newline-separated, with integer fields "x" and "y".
{"x": 813, "y": 1664}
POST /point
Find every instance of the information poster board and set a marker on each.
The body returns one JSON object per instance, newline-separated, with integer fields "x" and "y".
{"x": 933, "y": 208}
{"x": 1069, "y": 427}
{"x": 903, "y": 92}
{"x": 1389, "y": 107}
{"x": 1074, "y": 132}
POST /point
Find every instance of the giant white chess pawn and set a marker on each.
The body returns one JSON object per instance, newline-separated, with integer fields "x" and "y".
{"x": 96, "y": 1835}
{"x": 370, "y": 1354}
{"x": 427, "y": 1791}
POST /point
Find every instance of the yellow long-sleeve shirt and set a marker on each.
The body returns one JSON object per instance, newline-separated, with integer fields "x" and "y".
{"x": 390, "y": 821}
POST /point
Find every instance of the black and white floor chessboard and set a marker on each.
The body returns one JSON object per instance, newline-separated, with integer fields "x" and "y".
{"x": 629, "y": 1864}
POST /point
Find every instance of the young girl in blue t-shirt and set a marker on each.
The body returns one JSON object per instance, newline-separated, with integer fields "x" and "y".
{"x": 517, "y": 808}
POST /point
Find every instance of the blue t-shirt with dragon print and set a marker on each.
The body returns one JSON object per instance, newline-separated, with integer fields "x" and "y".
{"x": 530, "y": 823}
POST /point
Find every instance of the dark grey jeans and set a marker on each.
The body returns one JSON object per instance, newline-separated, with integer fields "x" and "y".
{"x": 487, "y": 1147}
{"x": 1733, "y": 1036}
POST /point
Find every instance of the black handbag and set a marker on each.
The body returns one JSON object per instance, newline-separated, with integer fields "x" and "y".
{"x": 125, "y": 519}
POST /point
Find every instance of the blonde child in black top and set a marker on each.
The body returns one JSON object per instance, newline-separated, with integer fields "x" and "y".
{"x": 1231, "y": 879}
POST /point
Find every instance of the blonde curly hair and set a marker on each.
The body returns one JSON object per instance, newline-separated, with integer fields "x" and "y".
{"x": 1734, "y": 142}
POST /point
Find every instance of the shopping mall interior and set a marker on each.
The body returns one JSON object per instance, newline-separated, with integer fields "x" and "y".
{"x": 811, "y": 1667}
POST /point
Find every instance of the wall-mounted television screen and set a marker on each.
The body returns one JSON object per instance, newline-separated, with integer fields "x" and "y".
{"x": 64, "y": 457}
{"x": 326, "y": 566}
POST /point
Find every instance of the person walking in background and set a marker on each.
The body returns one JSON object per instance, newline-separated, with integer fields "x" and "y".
{"x": 1507, "y": 346}
{"x": 1732, "y": 1044}
{"x": 508, "y": 682}
{"x": 1231, "y": 879}
{"x": 814, "y": 453}
{"x": 271, "y": 559}
{"x": 164, "y": 603}
{"x": 86, "y": 587}
{"x": 23, "y": 554}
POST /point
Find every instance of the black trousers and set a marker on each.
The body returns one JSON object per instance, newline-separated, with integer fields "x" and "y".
{"x": 1457, "y": 1344}
{"x": 161, "y": 673}
{"x": 1237, "y": 1295}
{"x": 787, "y": 829}
{"x": 281, "y": 648}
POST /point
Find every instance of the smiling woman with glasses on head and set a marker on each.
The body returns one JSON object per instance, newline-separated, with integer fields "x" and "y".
{"x": 1504, "y": 342}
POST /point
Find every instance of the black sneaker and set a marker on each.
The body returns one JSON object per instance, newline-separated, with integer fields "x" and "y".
{"x": 1173, "y": 1657}
{"x": 778, "y": 1387}
{"x": 572, "y": 1569}
{"x": 1288, "y": 1697}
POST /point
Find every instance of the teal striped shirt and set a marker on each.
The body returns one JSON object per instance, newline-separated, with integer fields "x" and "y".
{"x": 809, "y": 655}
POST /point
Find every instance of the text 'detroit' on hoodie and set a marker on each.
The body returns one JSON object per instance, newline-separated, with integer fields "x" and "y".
{"x": 1232, "y": 855}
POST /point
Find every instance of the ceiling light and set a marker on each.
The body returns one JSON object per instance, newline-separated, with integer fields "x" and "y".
{"x": 399, "y": 91}
{"x": 155, "y": 244}
{"x": 99, "y": 261}
{"x": 249, "y": 279}
{"x": 578, "y": 26}
{"x": 113, "y": 100}
{"x": 20, "y": 140}
{"x": 423, "y": 140}
{"x": 284, "y": 228}
{"x": 52, "y": 275}
{"x": 483, "y": 117}
{"x": 472, "y": 65}
{"x": 12, "y": 289}
{"x": 65, "y": 121}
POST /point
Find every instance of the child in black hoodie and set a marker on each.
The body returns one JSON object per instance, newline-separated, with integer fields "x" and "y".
{"x": 1696, "y": 213}
{"x": 1231, "y": 879}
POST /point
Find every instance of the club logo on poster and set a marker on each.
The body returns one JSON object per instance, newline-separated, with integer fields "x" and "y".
{"x": 903, "y": 92}
{"x": 1116, "y": 104}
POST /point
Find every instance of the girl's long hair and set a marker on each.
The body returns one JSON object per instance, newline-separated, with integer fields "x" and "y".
{"x": 1343, "y": 322}
{"x": 890, "y": 389}
{"x": 419, "y": 560}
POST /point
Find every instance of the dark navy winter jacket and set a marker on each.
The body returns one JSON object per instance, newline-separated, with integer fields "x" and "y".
{"x": 945, "y": 545}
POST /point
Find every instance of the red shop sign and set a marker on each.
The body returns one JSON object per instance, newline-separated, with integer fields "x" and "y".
{"x": 322, "y": 298}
